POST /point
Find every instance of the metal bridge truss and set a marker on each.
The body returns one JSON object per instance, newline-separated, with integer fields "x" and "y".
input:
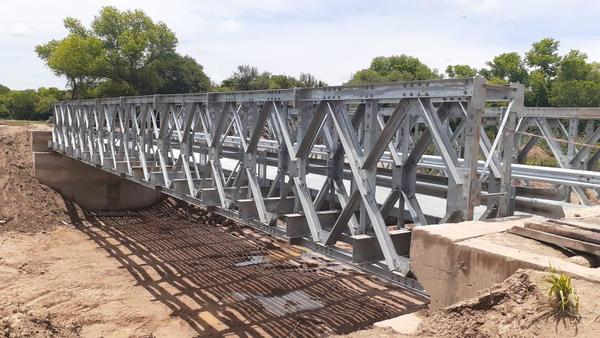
{"x": 572, "y": 136}
{"x": 255, "y": 156}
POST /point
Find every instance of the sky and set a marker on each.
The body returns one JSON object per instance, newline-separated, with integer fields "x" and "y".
{"x": 329, "y": 38}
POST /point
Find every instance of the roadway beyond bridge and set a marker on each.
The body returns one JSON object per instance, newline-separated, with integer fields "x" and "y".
{"x": 346, "y": 171}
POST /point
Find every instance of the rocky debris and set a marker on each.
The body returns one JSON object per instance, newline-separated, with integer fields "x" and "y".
{"x": 21, "y": 323}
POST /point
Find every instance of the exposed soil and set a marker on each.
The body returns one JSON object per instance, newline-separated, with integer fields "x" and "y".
{"x": 25, "y": 204}
{"x": 518, "y": 307}
{"x": 20, "y": 323}
{"x": 380, "y": 332}
{"x": 168, "y": 270}
{"x": 60, "y": 283}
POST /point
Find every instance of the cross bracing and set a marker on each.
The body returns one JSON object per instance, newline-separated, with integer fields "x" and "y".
{"x": 252, "y": 155}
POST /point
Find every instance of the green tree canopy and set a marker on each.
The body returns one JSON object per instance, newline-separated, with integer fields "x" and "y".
{"x": 574, "y": 66}
{"x": 537, "y": 95}
{"x": 29, "y": 104}
{"x": 505, "y": 68}
{"x": 543, "y": 56}
{"x": 308, "y": 80}
{"x": 4, "y": 89}
{"x": 247, "y": 77}
{"x": 122, "y": 53}
{"x": 133, "y": 43}
{"x": 460, "y": 71}
{"x": 181, "y": 74}
{"x": 394, "y": 68}
{"x": 80, "y": 58}
{"x": 574, "y": 93}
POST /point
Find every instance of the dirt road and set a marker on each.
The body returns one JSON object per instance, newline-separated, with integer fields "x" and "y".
{"x": 170, "y": 270}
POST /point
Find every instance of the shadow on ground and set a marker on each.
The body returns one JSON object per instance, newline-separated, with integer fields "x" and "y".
{"x": 226, "y": 279}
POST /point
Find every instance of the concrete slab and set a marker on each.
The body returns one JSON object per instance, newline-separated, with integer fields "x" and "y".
{"x": 455, "y": 261}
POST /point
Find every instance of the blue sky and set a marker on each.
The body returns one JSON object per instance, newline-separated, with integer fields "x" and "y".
{"x": 330, "y": 39}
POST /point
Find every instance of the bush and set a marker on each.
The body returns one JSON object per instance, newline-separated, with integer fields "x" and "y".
{"x": 29, "y": 104}
{"x": 562, "y": 296}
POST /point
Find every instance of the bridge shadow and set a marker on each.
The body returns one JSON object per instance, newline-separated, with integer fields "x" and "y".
{"x": 225, "y": 279}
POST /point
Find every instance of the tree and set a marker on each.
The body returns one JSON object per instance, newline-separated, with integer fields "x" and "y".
{"x": 4, "y": 89}
{"x": 181, "y": 74}
{"x": 506, "y": 67}
{"x": 538, "y": 91}
{"x": 122, "y": 53}
{"x": 250, "y": 78}
{"x": 543, "y": 56}
{"x": 574, "y": 93}
{"x": 308, "y": 80}
{"x": 80, "y": 58}
{"x": 367, "y": 76}
{"x": 577, "y": 82}
{"x": 574, "y": 66}
{"x": 283, "y": 81}
{"x": 394, "y": 68}
{"x": 544, "y": 61}
{"x": 29, "y": 104}
{"x": 242, "y": 78}
{"x": 21, "y": 104}
{"x": 46, "y": 98}
{"x": 133, "y": 44}
{"x": 460, "y": 71}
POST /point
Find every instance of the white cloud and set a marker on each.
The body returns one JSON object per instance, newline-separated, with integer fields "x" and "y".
{"x": 20, "y": 30}
{"x": 329, "y": 38}
{"x": 230, "y": 25}
{"x": 480, "y": 5}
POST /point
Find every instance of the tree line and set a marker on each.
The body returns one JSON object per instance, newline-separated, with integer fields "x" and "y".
{"x": 126, "y": 53}
{"x": 550, "y": 79}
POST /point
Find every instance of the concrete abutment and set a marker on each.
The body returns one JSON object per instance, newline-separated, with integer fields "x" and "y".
{"x": 90, "y": 187}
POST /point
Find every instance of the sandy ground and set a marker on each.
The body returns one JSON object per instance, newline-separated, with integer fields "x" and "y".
{"x": 166, "y": 271}
{"x": 518, "y": 307}
{"x": 65, "y": 278}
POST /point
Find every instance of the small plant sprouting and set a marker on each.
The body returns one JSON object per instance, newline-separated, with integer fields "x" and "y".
{"x": 563, "y": 298}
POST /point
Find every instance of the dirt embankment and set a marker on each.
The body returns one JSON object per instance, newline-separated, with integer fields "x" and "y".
{"x": 167, "y": 271}
{"x": 25, "y": 204}
{"x": 518, "y": 307}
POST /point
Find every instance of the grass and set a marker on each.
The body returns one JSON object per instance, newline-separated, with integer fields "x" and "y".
{"x": 562, "y": 295}
{"x": 19, "y": 122}
{"x": 541, "y": 160}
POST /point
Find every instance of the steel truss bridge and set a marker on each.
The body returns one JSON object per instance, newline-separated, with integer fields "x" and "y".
{"x": 342, "y": 169}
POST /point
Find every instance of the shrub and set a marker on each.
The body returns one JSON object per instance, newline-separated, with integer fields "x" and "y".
{"x": 562, "y": 296}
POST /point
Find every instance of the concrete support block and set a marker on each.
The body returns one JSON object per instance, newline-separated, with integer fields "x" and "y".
{"x": 366, "y": 249}
{"x": 454, "y": 262}
{"x": 122, "y": 167}
{"x": 296, "y": 225}
{"x": 180, "y": 185}
{"x": 247, "y": 207}
{"x": 40, "y": 140}
{"x": 90, "y": 187}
